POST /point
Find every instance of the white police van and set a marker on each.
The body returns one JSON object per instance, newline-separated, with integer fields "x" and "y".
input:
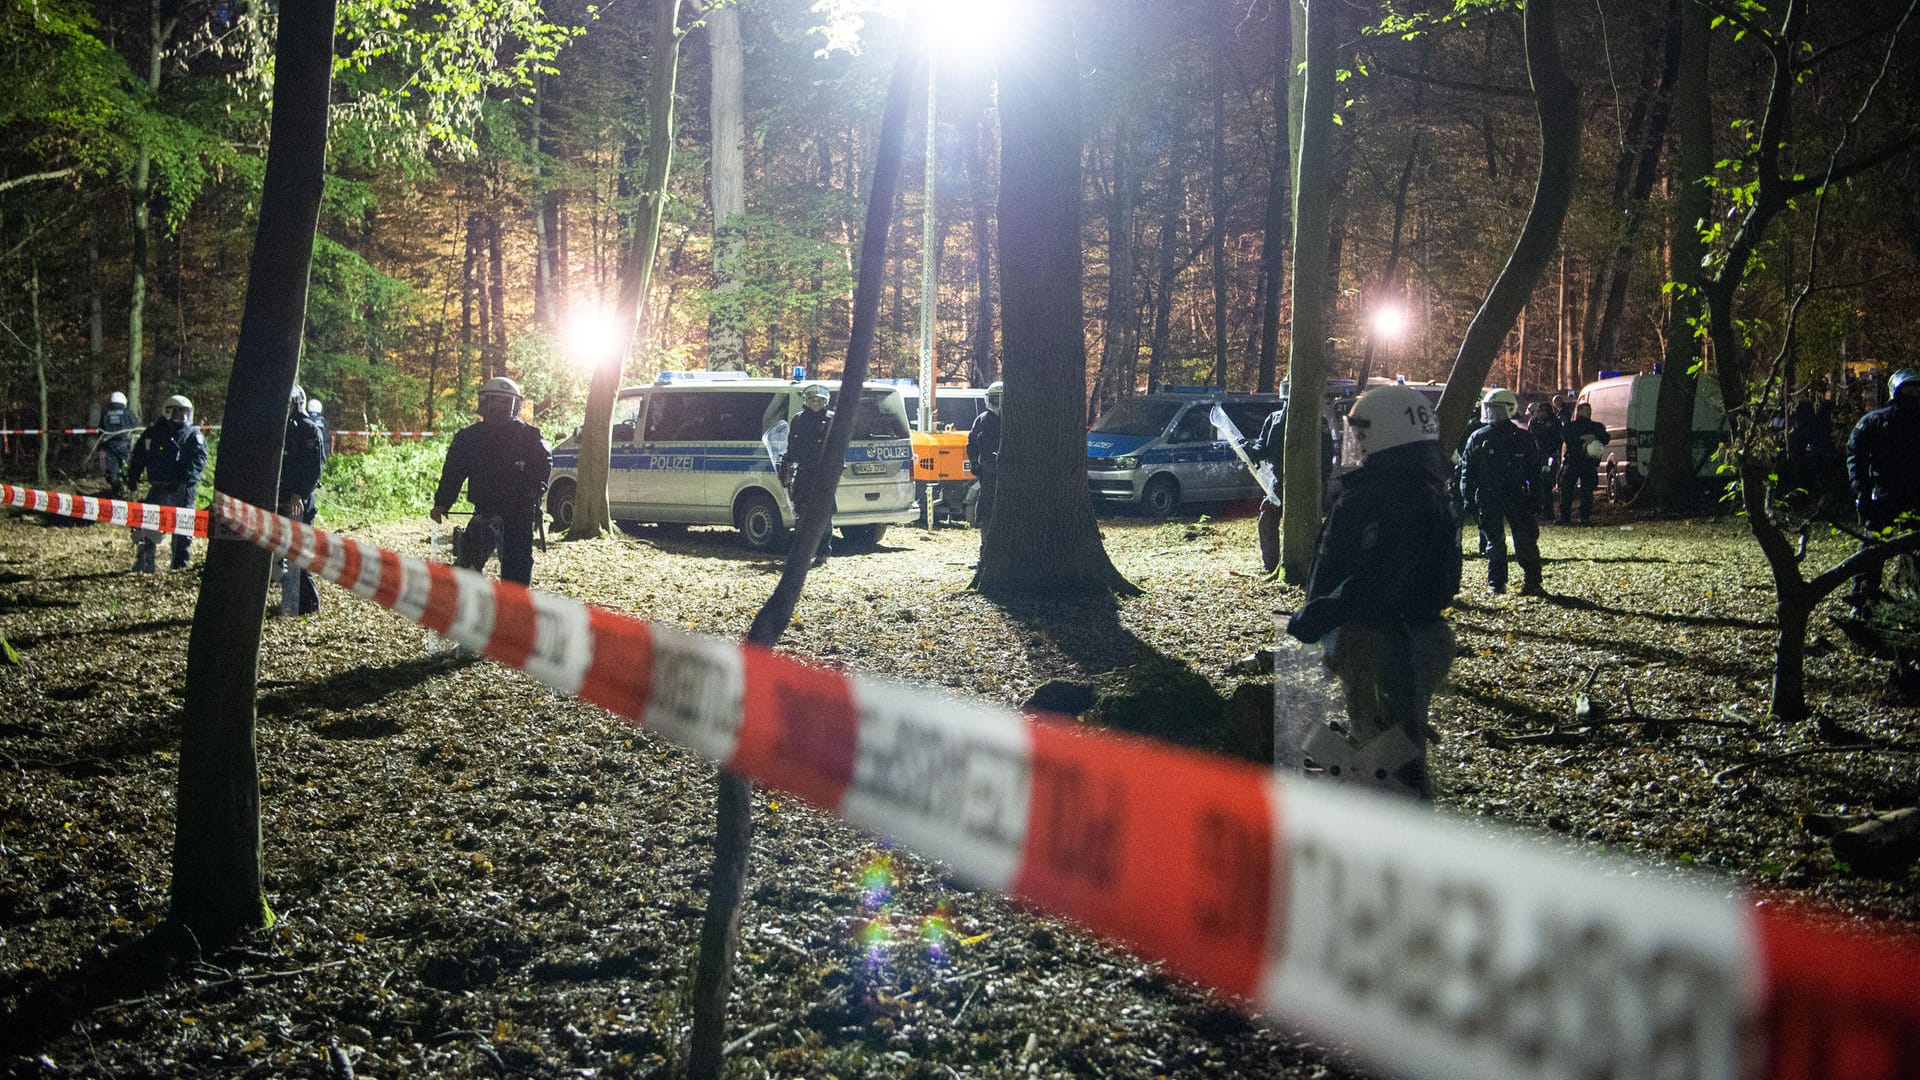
{"x": 694, "y": 452}
{"x": 1625, "y": 405}
{"x": 1157, "y": 452}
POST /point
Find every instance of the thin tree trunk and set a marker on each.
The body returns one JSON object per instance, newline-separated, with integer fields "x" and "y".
{"x": 980, "y": 366}
{"x": 592, "y": 516}
{"x": 1389, "y": 292}
{"x": 39, "y": 359}
{"x": 1160, "y": 352}
{"x": 218, "y": 882}
{"x": 1306, "y": 363}
{"x": 1217, "y": 201}
{"x": 496, "y": 297}
{"x": 543, "y": 313}
{"x": 96, "y": 328}
{"x": 140, "y": 192}
{"x": 1672, "y": 469}
{"x": 1273, "y": 250}
{"x": 1043, "y": 537}
{"x": 1633, "y": 201}
{"x": 1120, "y": 313}
{"x": 726, "y": 111}
{"x": 1557, "y": 106}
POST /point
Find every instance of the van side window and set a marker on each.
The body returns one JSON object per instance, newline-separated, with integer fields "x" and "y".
{"x": 719, "y": 416}
{"x": 1194, "y": 427}
{"x": 626, "y": 416}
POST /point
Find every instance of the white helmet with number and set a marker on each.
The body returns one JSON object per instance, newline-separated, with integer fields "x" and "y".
{"x": 1385, "y": 417}
{"x": 116, "y": 398}
{"x": 181, "y": 405}
{"x": 500, "y": 397}
{"x": 994, "y": 393}
{"x": 1499, "y": 404}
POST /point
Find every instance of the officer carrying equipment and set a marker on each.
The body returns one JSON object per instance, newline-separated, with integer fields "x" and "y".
{"x": 1582, "y": 438}
{"x": 1387, "y": 565}
{"x": 172, "y": 454}
{"x": 806, "y": 442}
{"x": 983, "y": 452}
{"x": 118, "y": 423}
{"x": 504, "y": 465}
{"x": 303, "y": 457}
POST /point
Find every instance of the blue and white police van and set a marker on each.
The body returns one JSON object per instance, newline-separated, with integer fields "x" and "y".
{"x": 694, "y": 451}
{"x": 1158, "y": 452}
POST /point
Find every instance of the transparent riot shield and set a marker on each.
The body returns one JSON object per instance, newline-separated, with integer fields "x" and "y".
{"x": 1317, "y": 736}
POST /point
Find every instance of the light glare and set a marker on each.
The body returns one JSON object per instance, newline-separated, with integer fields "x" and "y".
{"x": 592, "y": 337}
{"x": 1390, "y": 321}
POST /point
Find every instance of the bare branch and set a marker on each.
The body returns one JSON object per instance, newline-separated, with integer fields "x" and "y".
{"x": 53, "y": 174}
{"x": 1456, "y": 84}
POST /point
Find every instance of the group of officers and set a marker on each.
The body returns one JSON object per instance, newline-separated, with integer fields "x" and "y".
{"x": 1388, "y": 560}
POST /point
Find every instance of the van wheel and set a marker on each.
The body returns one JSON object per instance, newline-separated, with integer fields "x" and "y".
{"x": 863, "y": 537}
{"x": 758, "y": 518}
{"x": 1161, "y": 498}
{"x": 560, "y": 503}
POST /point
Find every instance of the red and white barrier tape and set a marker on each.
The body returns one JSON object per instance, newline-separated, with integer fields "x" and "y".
{"x": 387, "y": 434}
{"x": 86, "y": 430}
{"x": 1430, "y": 947}
{"x": 182, "y": 520}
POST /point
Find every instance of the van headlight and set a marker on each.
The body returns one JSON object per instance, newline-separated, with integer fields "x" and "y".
{"x": 1126, "y": 464}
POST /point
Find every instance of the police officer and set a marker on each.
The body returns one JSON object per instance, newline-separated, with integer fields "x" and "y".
{"x": 983, "y": 452}
{"x": 1883, "y": 462}
{"x": 303, "y": 456}
{"x": 1496, "y": 478}
{"x": 319, "y": 419}
{"x": 1387, "y": 565}
{"x": 1544, "y": 426}
{"x": 118, "y": 423}
{"x": 505, "y": 465}
{"x": 806, "y": 442}
{"x": 173, "y": 454}
{"x": 1269, "y": 446}
{"x": 1579, "y": 464}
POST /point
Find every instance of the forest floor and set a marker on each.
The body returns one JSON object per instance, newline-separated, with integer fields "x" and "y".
{"x": 476, "y": 876}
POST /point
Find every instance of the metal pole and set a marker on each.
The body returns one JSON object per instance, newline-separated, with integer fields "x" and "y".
{"x": 928, "y": 286}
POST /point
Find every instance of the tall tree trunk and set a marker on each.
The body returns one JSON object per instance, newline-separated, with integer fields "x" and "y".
{"x": 1557, "y": 107}
{"x": 543, "y": 313}
{"x": 1166, "y": 260}
{"x": 218, "y": 885}
{"x": 1217, "y": 77}
{"x": 1388, "y": 292}
{"x": 1273, "y": 248}
{"x": 592, "y": 516}
{"x": 469, "y": 288}
{"x": 141, "y": 194}
{"x": 96, "y": 328}
{"x": 1043, "y": 537}
{"x": 1121, "y": 314}
{"x": 39, "y": 359}
{"x": 496, "y": 297}
{"x": 980, "y": 366}
{"x": 1306, "y": 363}
{"x": 726, "y": 111}
{"x": 1671, "y": 473}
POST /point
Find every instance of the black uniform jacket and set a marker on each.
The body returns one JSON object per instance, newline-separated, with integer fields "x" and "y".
{"x": 505, "y": 465}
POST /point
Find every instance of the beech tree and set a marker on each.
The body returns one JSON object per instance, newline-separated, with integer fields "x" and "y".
{"x": 218, "y": 883}
{"x": 1306, "y": 353}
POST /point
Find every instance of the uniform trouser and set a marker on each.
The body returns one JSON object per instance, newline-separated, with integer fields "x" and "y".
{"x": 1267, "y": 527}
{"x": 1878, "y": 520}
{"x": 989, "y": 490}
{"x": 309, "y": 595}
{"x": 1495, "y": 519}
{"x": 116, "y": 465}
{"x": 509, "y": 534}
{"x": 1584, "y": 478}
{"x": 1543, "y": 489}
{"x": 1388, "y": 671}
{"x": 146, "y": 543}
{"x": 800, "y": 508}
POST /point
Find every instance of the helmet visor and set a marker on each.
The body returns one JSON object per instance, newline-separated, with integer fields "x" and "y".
{"x": 1352, "y": 453}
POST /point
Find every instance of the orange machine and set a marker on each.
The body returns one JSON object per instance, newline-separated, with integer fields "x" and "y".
{"x": 940, "y": 455}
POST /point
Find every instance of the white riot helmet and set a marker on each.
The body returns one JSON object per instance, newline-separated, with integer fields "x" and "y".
{"x": 297, "y": 400}
{"x": 1385, "y": 417}
{"x": 814, "y": 396}
{"x": 1499, "y": 404}
{"x": 1904, "y": 377}
{"x": 994, "y": 393}
{"x": 178, "y": 404}
{"x": 116, "y": 398}
{"x": 500, "y": 399}
{"x": 313, "y": 406}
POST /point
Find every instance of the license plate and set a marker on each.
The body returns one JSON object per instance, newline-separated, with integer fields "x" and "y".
{"x": 869, "y": 468}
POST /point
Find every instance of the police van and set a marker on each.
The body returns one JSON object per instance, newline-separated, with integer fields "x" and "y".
{"x": 696, "y": 452}
{"x": 1625, "y": 405}
{"x": 1158, "y": 452}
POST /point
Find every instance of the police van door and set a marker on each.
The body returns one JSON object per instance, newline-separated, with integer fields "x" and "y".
{"x": 1196, "y": 453}
{"x": 729, "y": 425}
{"x": 667, "y": 481}
{"x": 624, "y": 464}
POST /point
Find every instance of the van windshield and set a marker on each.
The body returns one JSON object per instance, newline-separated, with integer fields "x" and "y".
{"x": 1137, "y": 416}
{"x": 873, "y": 420}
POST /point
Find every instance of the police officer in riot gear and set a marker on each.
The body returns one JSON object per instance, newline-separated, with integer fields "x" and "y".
{"x": 983, "y": 453}
{"x": 316, "y": 413}
{"x": 118, "y": 423}
{"x": 1544, "y": 427}
{"x": 505, "y": 465}
{"x": 1883, "y": 463}
{"x": 1387, "y": 565}
{"x": 806, "y": 443}
{"x": 1579, "y": 464}
{"x": 1497, "y": 475}
{"x": 172, "y": 454}
{"x": 303, "y": 456}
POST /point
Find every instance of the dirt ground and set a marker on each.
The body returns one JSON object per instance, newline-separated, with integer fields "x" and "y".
{"x": 474, "y": 876}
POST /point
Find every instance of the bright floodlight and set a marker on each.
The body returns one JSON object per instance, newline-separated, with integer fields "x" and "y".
{"x": 1390, "y": 320}
{"x": 967, "y": 27}
{"x": 591, "y": 337}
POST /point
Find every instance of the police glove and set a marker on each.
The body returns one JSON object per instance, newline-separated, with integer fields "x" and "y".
{"x": 1314, "y": 621}
{"x": 438, "y": 514}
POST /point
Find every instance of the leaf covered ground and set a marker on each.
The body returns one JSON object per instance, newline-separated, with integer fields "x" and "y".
{"x": 475, "y": 876}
